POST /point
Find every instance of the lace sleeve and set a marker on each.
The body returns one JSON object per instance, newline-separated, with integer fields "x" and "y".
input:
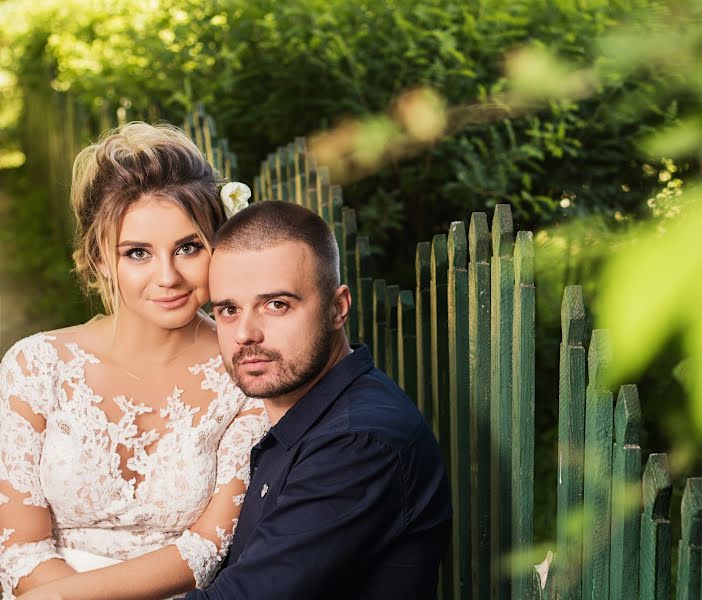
{"x": 26, "y": 395}
{"x": 205, "y": 544}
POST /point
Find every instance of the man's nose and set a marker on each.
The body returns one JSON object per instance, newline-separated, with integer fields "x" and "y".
{"x": 248, "y": 330}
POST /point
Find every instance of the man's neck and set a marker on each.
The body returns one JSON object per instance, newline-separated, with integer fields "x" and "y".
{"x": 278, "y": 406}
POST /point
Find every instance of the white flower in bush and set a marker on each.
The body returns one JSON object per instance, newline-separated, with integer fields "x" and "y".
{"x": 235, "y": 196}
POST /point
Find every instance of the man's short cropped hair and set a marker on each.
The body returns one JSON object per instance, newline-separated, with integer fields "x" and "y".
{"x": 270, "y": 223}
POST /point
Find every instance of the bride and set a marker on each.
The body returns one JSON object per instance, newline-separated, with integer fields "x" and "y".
{"x": 124, "y": 445}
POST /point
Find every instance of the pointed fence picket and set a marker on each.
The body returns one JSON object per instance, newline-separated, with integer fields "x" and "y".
{"x": 656, "y": 535}
{"x": 461, "y": 344}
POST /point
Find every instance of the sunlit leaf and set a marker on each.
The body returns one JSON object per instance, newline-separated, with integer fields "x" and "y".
{"x": 681, "y": 140}
{"x": 652, "y": 289}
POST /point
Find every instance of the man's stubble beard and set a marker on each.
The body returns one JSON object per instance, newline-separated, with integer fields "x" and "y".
{"x": 293, "y": 376}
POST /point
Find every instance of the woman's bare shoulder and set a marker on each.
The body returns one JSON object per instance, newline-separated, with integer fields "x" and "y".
{"x": 89, "y": 334}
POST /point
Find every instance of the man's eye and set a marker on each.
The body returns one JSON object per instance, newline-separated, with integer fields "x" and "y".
{"x": 277, "y": 305}
{"x": 227, "y": 311}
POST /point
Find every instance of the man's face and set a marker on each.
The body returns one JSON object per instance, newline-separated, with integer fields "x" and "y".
{"x": 273, "y": 323}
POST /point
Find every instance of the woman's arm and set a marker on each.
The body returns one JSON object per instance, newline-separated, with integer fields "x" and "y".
{"x": 153, "y": 576}
{"x": 28, "y": 556}
{"x": 195, "y": 557}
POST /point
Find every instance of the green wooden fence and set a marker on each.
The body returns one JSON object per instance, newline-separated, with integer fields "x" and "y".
{"x": 461, "y": 343}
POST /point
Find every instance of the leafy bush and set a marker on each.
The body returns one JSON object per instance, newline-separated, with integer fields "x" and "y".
{"x": 271, "y": 71}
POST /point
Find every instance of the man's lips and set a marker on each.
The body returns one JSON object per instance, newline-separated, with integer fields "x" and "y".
{"x": 254, "y": 361}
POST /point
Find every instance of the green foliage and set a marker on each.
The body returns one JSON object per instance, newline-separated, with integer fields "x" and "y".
{"x": 271, "y": 71}
{"x": 38, "y": 260}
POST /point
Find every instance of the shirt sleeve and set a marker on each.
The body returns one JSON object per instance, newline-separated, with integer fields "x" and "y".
{"x": 26, "y": 397}
{"x": 342, "y": 500}
{"x": 205, "y": 543}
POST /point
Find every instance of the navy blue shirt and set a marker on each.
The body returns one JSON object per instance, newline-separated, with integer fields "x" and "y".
{"x": 348, "y": 498}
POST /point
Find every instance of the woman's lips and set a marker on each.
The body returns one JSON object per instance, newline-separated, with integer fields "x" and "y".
{"x": 172, "y": 302}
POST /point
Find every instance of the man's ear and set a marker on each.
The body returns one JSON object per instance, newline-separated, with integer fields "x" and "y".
{"x": 341, "y": 304}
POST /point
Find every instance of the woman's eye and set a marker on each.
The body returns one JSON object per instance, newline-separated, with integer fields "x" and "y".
{"x": 189, "y": 249}
{"x": 137, "y": 253}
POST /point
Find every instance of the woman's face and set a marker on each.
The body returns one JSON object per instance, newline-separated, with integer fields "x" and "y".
{"x": 162, "y": 264}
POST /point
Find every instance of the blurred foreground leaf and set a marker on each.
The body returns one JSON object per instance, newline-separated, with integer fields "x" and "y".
{"x": 652, "y": 291}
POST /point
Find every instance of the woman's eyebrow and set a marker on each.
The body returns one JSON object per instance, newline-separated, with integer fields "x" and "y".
{"x": 184, "y": 240}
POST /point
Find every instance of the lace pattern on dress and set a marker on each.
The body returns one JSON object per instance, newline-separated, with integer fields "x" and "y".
{"x": 202, "y": 555}
{"x": 93, "y": 508}
{"x": 19, "y": 560}
{"x": 19, "y": 457}
{"x": 235, "y": 449}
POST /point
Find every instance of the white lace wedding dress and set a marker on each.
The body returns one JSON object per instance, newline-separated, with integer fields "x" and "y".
{"x": 68, "y": 451}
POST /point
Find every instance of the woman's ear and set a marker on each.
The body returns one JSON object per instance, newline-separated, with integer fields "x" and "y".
{"x": 103, "y": 269}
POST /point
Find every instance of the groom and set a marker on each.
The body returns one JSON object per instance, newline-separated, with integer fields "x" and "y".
{"x": 348, "y": 496}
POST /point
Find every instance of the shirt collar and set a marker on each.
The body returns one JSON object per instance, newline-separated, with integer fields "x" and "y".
{"x": 295, "y": 423}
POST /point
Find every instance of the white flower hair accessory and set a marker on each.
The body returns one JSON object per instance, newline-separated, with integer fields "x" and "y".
{"x": 235, "y": 196}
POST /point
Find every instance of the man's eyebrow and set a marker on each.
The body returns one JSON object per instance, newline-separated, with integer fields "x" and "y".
{"x": 259, "y": 298}
{"x": 184, "y": 240}
{"x": 225, "y": 302}
{"x": 278, "y": 294}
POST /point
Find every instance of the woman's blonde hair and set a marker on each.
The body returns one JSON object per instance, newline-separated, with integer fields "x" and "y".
{"x": 126, "y": 164}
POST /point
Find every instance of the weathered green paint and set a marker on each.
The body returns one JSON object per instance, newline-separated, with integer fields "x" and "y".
{"x": 282, "y": 165}
{"x": 626, "y": 497}
{"x": 597, "y": 490}
{"x": 323, "y": 194}
{"x": 348, "y": 273}
{"x": 273, "y": 177}
{"x": 312, "y": 188}
{"x": 364, "y": 287}
{"x": 391, "y": 294}
{"x": 300, "y": 171}
{"x": 501, "y": 319}
{"x": 322, "y": 207}
{"x": 656, "y": 536}
{"x": 690, "y": 547}
{"x": 217, "y": 159}
{"x": 234, "y": 166}
{"x": 262, "y": 176}
{"x": 208, "y": 134}
{"x": 522, "y": 423}
{"x": 458, "y": 408}
{"x": 188, "y": 126}
{"x": 407, "y": 344}
{"x": 422, "y": 302}
{"x": 336, "y": 203}
{"x": 379, "y": 323}
{"x": 439, "y": 368}
{"x": 479, "y": 365}
{"x": 336, "y": 206}
{"x": 227, "y": 167}
{"x": 439, "y": 342}
{"x": 197, "y": 128}
{"x": 571, "y": 440}
{"x": 290, "y": 172}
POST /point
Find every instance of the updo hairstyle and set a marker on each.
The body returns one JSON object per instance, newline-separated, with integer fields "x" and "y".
{"x": 126, "y": 164}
